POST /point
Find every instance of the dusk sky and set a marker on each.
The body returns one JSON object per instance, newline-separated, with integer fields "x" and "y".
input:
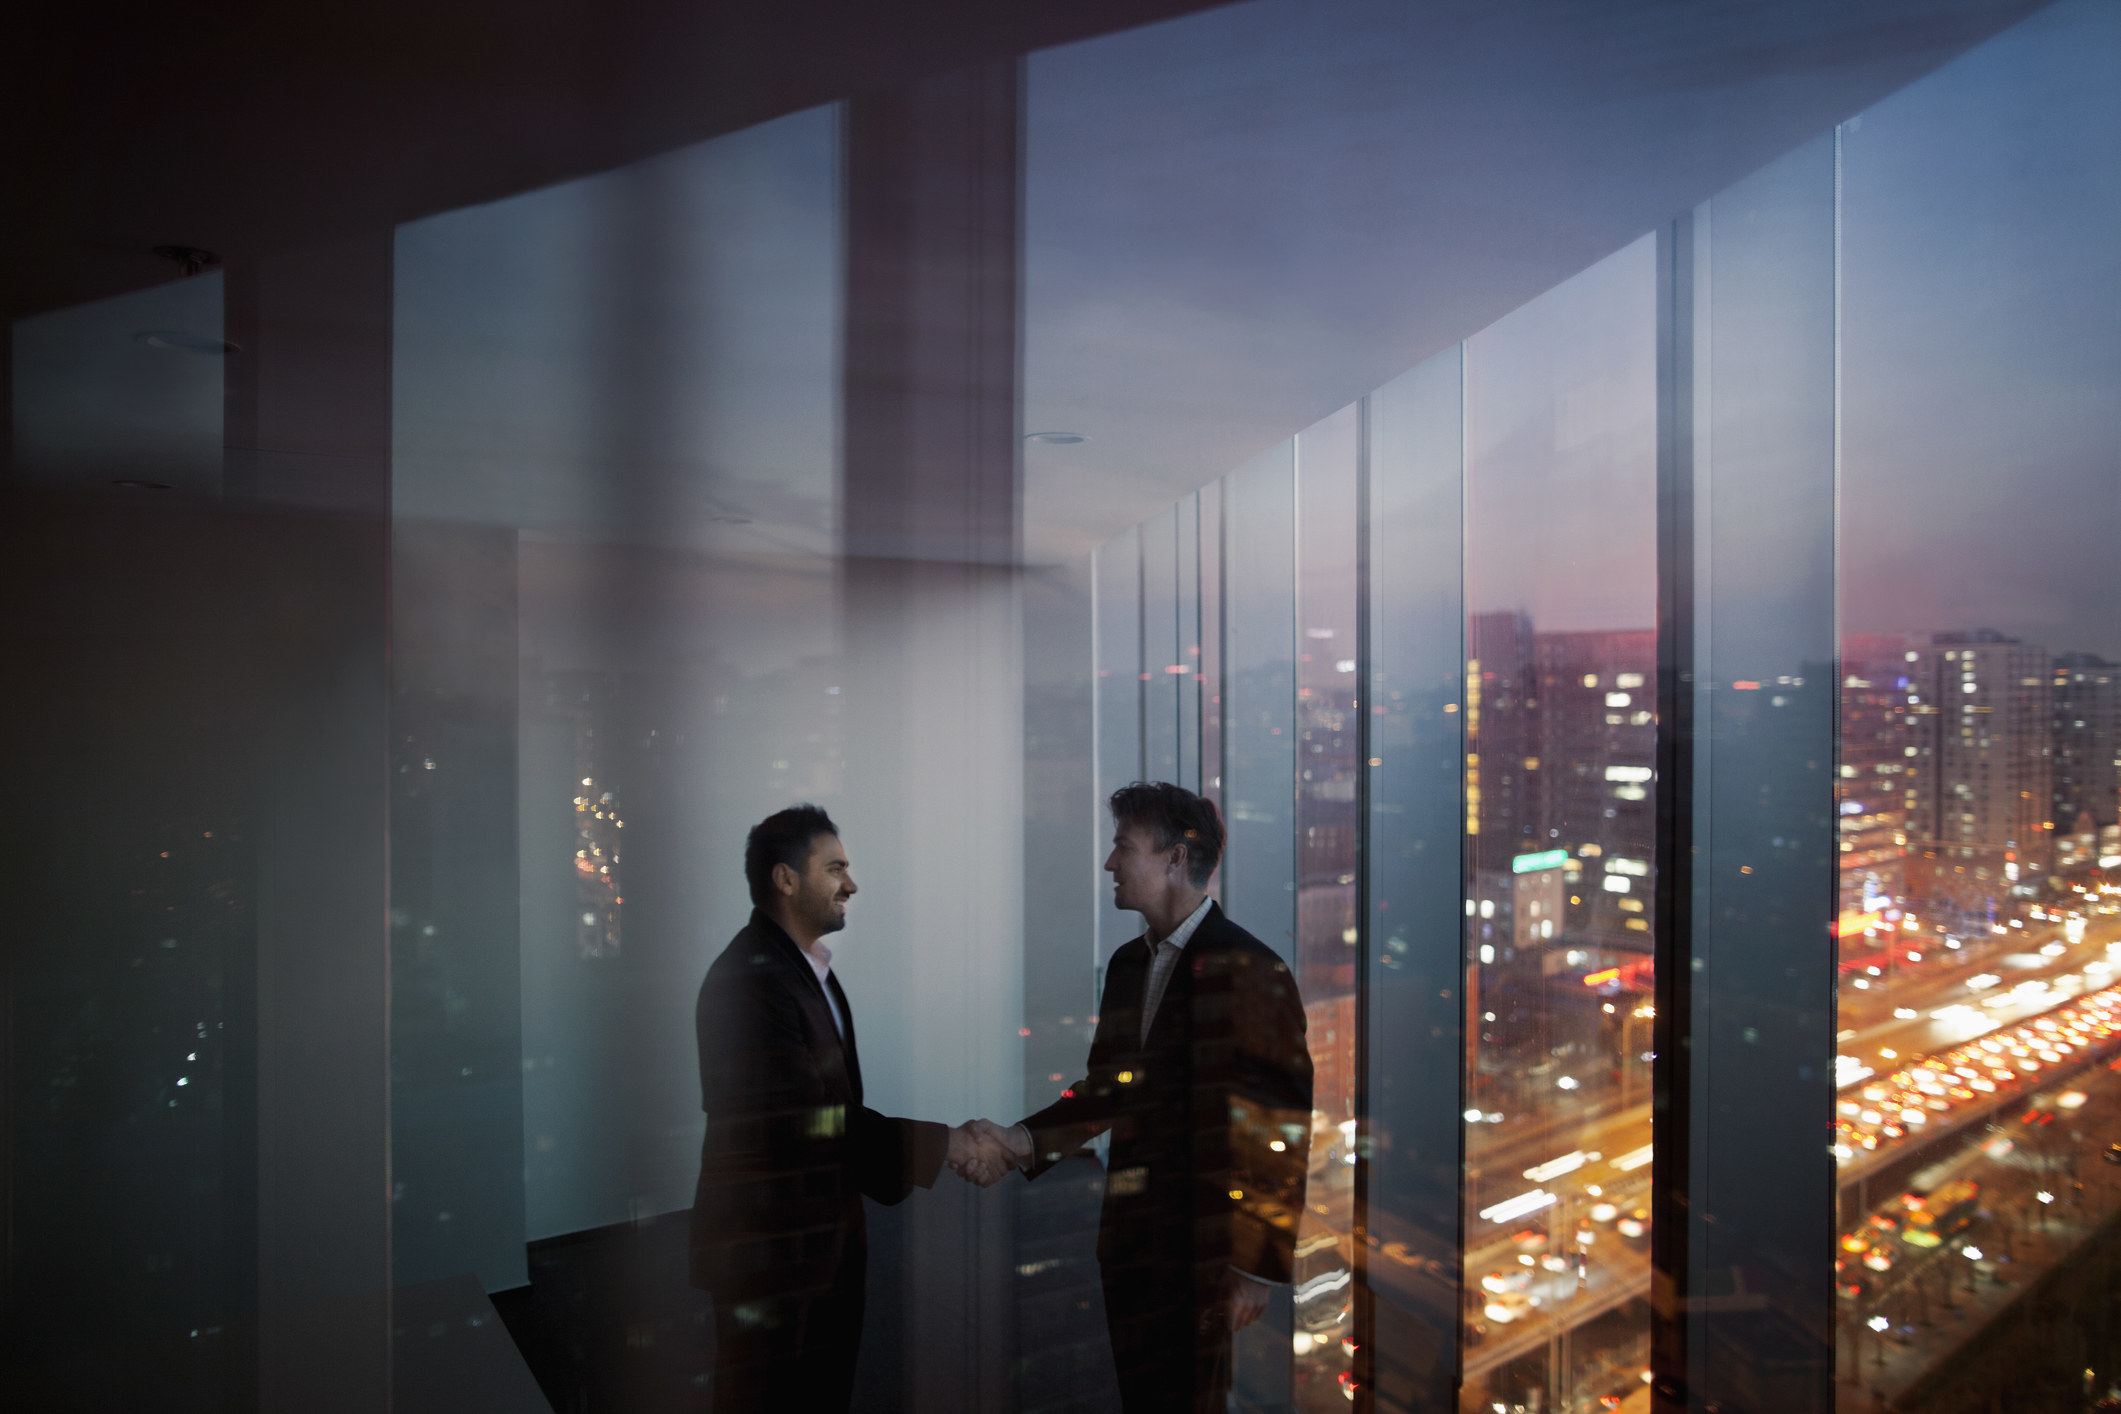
{"x": 1561, "y": 452}
{"x": 1981, "y": 324}
{"x": 1981, "y": 333}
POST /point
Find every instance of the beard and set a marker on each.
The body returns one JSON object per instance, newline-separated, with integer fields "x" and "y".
{"x": 826, "y": 918}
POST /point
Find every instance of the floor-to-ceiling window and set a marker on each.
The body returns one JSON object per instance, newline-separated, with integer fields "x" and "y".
{"x": 1541, "y": 825}
{"x": 1560, "y": 711}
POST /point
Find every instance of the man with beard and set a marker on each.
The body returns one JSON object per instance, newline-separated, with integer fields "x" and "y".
{"x": 777, "y": 1224}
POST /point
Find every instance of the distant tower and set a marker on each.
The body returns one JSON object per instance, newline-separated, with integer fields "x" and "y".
{"x": 1598, "y": 792}
{"x": 1981, "y": 705}
{"x": 2086, "y": 739}
{"x": 1502, "y": 735}
{"x": 1880, "y": 769}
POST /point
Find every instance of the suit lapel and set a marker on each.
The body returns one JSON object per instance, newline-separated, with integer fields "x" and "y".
{"x": 854, "y": 1055}
{"x": 801, "y": 979}
{"x": 803, "y": 982}
{"x": 1177, "y": 1002}
{"x": 1131, "y": 997}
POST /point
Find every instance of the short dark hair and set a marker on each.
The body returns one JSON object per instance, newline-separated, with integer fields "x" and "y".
{"x": 1174, "y": 815}
{"x": 784, "y": 837}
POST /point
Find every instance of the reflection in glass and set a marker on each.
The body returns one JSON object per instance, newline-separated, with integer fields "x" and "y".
{"x": 1413, "y": 1053}
{"x": 614, "y": 482}
{"x": 1259, "y": 694}
{"x": 1328, "y": 768}
{"x": 1116, "y": 652}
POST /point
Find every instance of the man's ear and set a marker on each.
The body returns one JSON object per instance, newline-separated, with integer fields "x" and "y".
{"x": 786, "y": 881}
{"x": 1181, "y": 857}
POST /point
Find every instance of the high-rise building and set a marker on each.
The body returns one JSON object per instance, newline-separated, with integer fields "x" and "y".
{"x": 2086, "y": 700}
{"x": 1596, "y": 776}
{"x": 1561, "y": 800}
{"x": 1984, "y": 793}
{"x": 1562, "y": 739}
{"x": 1502, "y": 735}
{"x": 1879, "y": 768}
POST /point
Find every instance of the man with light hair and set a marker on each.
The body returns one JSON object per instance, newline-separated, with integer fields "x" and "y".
{"x": 1200, "y": 1072}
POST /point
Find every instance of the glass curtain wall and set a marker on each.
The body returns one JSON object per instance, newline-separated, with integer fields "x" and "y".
{"x": 1560, "y": 734}
{"x": 1771, "y": 545}
{"x": 1519, "y": 773}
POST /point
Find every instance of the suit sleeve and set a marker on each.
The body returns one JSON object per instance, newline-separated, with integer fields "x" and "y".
{"x": 1087, "y": 1108}
{"x": 768, "y": 1198}
{"x": 758, "y": 1080}
{"x": 758, "y": 1072}
{"x": 1269, "y": 1109}
{"x": 892, "y": 1157}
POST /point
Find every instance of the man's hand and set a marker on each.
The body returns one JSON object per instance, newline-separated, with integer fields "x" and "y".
{"x": 1244, "y": 1300}
{"x": 977, "y": 1156}
{"x": 1014, "y": 1141}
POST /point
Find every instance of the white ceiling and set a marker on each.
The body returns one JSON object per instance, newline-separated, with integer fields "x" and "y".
{"x": 1239, "y": 221}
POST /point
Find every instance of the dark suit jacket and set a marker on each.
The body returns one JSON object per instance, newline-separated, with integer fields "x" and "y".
{"x": 1194, "y": 1185}
{"x": 790, "y": 1149}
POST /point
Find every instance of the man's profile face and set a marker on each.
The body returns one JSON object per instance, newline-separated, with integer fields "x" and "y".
{"x": 821, "y": 891}
{"x": 1138, "y": 868}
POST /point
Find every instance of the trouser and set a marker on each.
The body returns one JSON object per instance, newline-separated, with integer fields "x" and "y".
{"x": 1171, "y": 1354}
{"x": 791, "y": 1354}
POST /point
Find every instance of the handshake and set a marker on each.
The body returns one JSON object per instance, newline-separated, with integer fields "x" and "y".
{"x": 981, "y": 1151}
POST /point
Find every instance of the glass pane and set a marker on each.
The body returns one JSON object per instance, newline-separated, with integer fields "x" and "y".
{"x": 1160, "y": 647}
{"x": 1117, "y": 649}
{"x": 133, "y": 951}
{"x": 1560, "y": 736}
{"x": 1328, "y": 771}
{"x": 1981, "y": 613}
{"x": 1259, "y": 688}
{"x": 1064, "y": 837}
{"x": 1408, "y": 1316}
{"x": 1752, "y": 1019}
{"x": 1184, "y": 669}
{"x": 616, "y": 646}
{"x": 1214, "y": 592}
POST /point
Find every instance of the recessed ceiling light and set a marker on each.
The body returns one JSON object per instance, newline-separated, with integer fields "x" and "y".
{"x": 184, "y": 341}
{"x": 131, "y": 485}
{"x": 1058, "y": 439}
{"x": 190, "y": 258}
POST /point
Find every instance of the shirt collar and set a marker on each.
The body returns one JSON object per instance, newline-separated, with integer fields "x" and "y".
{"x": 1183, "y": 933}
{"x": 819, "y": 957}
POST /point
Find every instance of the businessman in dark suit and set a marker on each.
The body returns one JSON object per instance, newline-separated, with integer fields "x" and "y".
{"x": 777, "y": 1224}
{"x": 1200, "y": 1070}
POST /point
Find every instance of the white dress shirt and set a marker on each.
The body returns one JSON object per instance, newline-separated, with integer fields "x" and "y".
{"x": 1163, "y": 961}
{"x": 820, "y": 959}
